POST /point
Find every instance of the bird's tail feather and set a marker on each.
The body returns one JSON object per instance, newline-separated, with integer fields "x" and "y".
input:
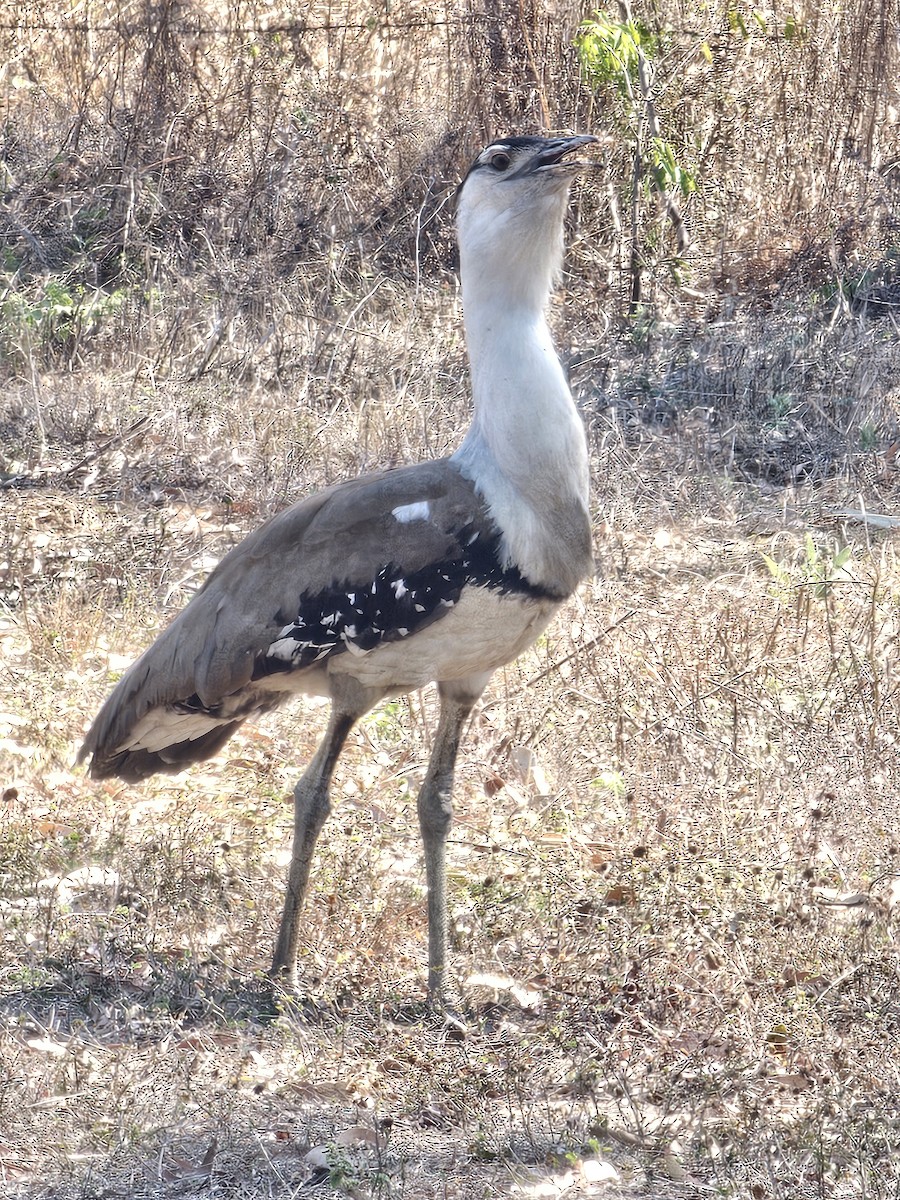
{"x": 139, "y": 763}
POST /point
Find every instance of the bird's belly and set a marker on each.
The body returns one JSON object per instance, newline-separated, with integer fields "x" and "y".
{"x": 484, "y": 630}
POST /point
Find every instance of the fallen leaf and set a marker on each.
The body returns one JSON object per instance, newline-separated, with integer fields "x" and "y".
{"x": 357, "y": 1135}
{"x": 526, "y": 763}
{"x": 182, "y": 1168}
{"x": 503, "y": 986}
{"x": 594, "y": 1170}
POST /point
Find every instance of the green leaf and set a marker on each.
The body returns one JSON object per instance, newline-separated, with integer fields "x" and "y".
{"x": 609, "y": 50}
{"x": 842, "y": 557}
{"x": 776, "y": 570}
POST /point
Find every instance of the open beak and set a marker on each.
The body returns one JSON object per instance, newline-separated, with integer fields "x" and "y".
{"x": 553, "y": 157}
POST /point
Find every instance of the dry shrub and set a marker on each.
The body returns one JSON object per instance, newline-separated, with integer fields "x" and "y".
{"x": 228, "y": 281}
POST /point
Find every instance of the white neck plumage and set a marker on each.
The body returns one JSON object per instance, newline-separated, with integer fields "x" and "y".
{"x": 526, "y": 450}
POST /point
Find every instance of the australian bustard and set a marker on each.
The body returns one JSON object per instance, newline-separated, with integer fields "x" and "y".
{"x": 442, "y": 571}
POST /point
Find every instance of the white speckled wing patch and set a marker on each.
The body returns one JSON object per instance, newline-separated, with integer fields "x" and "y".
{"x": 357, "y": 617}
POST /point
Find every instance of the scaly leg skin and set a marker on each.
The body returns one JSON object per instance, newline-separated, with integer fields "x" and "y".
{"x": 435, "y": 815}
{"x": 311, "y": 808}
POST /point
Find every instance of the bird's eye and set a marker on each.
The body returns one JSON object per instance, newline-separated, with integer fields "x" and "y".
{"x": 499, "y": 161}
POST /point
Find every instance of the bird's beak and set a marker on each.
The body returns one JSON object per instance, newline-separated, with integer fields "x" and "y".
{"x": 553, "y": 156}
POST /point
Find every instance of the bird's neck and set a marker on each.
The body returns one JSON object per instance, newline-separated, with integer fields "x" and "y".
{"x": 526, "y": 450}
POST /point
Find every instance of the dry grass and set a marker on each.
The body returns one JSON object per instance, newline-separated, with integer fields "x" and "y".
{"x": 673, "y": 866}
{"x": 675, "y": 858}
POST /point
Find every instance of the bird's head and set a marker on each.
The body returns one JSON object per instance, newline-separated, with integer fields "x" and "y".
{"x": 510, "y": 211}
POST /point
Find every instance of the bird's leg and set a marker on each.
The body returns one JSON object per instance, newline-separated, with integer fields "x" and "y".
{"x": 435, "y": 814}
{"x": 311, "y": 807}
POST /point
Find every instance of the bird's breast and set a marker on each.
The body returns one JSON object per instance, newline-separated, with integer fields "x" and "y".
{"x": 484, "y": 630}
{"x": 471, "y": 597}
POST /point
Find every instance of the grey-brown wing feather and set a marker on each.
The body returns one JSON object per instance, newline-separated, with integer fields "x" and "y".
{"x": 400, "y": 525}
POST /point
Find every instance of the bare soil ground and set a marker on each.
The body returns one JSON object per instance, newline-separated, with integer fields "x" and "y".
{"x": 675, "y": 859}
{"x": 226, "y": 280}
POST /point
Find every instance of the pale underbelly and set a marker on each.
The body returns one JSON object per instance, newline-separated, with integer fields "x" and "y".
{"x": 482, "y": 632}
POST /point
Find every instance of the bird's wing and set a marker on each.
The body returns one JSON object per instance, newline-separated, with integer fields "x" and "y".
{"x": 365, "y": 561}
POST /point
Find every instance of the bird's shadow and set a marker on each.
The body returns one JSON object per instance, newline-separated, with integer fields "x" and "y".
{"x": 118, "y": 1005}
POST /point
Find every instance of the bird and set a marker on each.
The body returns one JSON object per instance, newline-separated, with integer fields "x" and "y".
{"x": 437, "y": 572}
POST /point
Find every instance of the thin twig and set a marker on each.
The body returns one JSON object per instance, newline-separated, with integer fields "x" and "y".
{"x": 589, "y": 645}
